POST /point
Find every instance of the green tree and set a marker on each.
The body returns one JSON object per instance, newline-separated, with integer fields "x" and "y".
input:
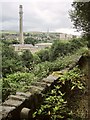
{"x": 36, "y": 59}
{"x": 11, "y": 61}
{"x": 44, "y": 55}
{"x": 80, "y": 16}
{"x": 8, "y": 42}
{"x": 27, "y": 59}
{"x": 58, "y": 49}
{"x": 30, "y": 41}
{"x": 81, "y": 20}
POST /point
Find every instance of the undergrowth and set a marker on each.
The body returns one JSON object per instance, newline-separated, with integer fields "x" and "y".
{"x": 57, "y": 103}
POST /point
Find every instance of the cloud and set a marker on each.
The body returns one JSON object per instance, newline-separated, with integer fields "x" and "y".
{"x": 34, "y": 1}
{"x": 39, "y": 15}
{"x": 68, "y": 31}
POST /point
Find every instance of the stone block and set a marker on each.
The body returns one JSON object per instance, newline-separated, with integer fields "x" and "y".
{"x": 5, "y": 110}
{"x": 41, "y": 84}
{"x": 25, "y": 114}
{"x": 50, "y": 79}
{"x": 35, "y": 89}
{"x": 26, "y": 95}
{"x": 17, "y": 97}
{"x": 12, "y": 103}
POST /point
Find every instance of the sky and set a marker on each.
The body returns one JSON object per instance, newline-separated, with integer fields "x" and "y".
{"x": 38, "y": 15}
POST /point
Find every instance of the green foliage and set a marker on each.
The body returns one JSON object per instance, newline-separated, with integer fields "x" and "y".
{"x": 77, "y": 43}
{"x": 56, "y": 103}
{"x": 36, "y": 59}
{"x": 27, "y": 59}
{"x": 10, "y": 66}
{"x": 31, "y": 40}
{"x": 39, "y": 71}
{"x": 80, "y": 16}
{"x": 11, "y": 62}
{"x": 44, "y": 55}
{"x": 74, "y": 76}
{"x": 9, "y": 42}
{"x": 54, "y": 107}
{"x": 59, "y": 49}
{"x": 7, "y": 89}
{"x": 17, "y": 82}
{"x": 8, "y": 51}
{"x": 43, "y": 69}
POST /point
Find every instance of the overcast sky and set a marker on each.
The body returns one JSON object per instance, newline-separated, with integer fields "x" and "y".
{"x": 38, "y": 15}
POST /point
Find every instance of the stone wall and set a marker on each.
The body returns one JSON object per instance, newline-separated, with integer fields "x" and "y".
{"x": 21, "y": 105}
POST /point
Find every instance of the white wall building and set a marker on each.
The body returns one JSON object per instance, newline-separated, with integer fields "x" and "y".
{"x": 64, "y": 36}
{"x": 33, "y": 49}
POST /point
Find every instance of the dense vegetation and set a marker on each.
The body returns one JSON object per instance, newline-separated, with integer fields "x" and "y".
{"x": 59, "y": 101}
{"x": 80, "y": 16}
{"x": 30, "y": 40}
{"x": 19, "y": 70}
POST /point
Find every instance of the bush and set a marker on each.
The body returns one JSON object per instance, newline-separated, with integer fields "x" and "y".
{"x": 56, "y": 105}
{"x": 7, "y": 89}
{"x": 44, "y": 55}
{"x": 30, "y": 40}
{"x": 11, "y": 61}
{"x": 17, "y": 82}
{"x": 27, "y": 59}
{"x": 36, "y": 59}
{"x": 60, "y": 48}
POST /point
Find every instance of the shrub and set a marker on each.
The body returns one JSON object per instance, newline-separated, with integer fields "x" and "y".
{"x": 44, "y": 55}
{"x": 36, "y": 59}
{"x": 56, "y": 105}
{"x": 11, "y": 61}
{"x": 27, "y": 59}
{"x": 17, "y": 82}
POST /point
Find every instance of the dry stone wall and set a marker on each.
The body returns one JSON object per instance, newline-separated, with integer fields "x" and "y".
{"x": 21, "y": 105}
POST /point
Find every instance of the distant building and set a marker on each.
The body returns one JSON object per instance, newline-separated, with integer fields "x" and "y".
{"x": 64, "y": 36}
{"x": 33, "y": 49}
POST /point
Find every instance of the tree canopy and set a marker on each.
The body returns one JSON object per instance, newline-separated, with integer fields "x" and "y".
{"x": 80, "y": 16}
{"x": 30, "y": 41}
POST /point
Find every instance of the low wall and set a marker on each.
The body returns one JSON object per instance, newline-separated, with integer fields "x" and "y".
{"x": 22, "y": 105}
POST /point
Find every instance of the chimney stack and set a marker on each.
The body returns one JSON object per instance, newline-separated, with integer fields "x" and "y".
{"x": 21, "y": 24}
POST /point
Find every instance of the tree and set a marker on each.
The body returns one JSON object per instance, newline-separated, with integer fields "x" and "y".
{"x": 44, "y": 55}
{"x": 81, "y": 19}
{"x": 36, "y": 59}
{"x": 11, "y": 61}
{"x": 80, "y": 16}
{"x": 30, "y": 41}
{"x": 58, "y": 49}
{"x": 10, "y": 42}
{"x": 27, "y": 59}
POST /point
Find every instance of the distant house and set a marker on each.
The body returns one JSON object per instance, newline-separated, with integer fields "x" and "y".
{"x": 64, "y": 36}
{"x": 33, "y": 49}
